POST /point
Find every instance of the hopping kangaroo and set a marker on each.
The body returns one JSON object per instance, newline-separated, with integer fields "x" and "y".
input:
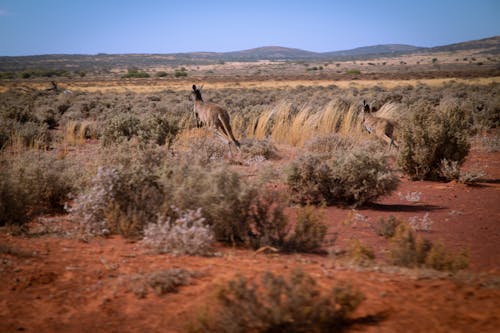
{"x": 381, "y": 127}
{"x": 214, "y": 117}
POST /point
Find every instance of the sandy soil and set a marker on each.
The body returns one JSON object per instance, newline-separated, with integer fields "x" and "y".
{"x": 55, "y": 283}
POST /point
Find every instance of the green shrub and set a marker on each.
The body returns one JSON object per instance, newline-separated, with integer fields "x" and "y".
{"x": 135, "y": 73}
{"x": 158, "y": 129}
{"x": 180, "y": 73}
{"x": 187, "y": 234}
{"x": 31, "y": 184}
{"x": 153, "y": 128}
{"x": 310, "y": 180}
{"x": 252, "y": 149}
{"x": 296, "y": 304}
{"x": 239, "y": 213}
{"x": 124, "y": 195}
{"x": 120, "y": 128}
{"x": 362, "y": 176}
{"x": 431, "y": 136}
{"x": 353, "y": 177}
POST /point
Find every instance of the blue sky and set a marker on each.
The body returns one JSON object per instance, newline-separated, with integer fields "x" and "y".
{"x": 145, "y": 26}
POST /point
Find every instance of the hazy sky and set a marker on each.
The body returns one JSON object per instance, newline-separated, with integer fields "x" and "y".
{"x": 146, "y": 26}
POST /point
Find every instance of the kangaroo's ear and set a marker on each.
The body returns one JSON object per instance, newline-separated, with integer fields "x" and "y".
{"x": 194, "y": 87}
{"x": 364, "y": 102}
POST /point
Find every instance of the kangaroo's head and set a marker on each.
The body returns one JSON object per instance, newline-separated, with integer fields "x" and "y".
{"x": 196, "y": 93}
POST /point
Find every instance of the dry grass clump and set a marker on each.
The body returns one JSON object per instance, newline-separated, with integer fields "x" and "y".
{"x": 254, "y": 149}
{"x": 285, "y": 123}
{"x": 352, "y": 177}
{"x": 169, "y": 280}
{"x": 431, "y": 136}
{"x": 387, "y": 227}
{"x": 32, "y": 183}
{"x": 309, "y": 232}
{"x": 359, "y": 253}
{"x": 161, "y": 282}
{"x": 77, "y": 132}
{"x": 409, "y": 250}
{"x": 329, "y": 144}
{"x": 200, "y": 145}
{"x": 278, "y": 304}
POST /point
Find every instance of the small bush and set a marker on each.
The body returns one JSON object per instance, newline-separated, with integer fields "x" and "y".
{"x": 200, "y": 149}
{"x": 135, "y": 73}
{"x": 279, "y": 305}
{"x": 409, "y": 250}
{"x": 180, "y": 73}
{"x": 169, "y": 280}
{"x": 157, "y": 129}
{"x": 387, "y": 228}
{"x": 32, "y": 184}
{"x": 238, "y": 212}
{"x": 310, "y": 180}
{"x": 354, "y": 177}
{"x": 120, "y": 128}
{"x": 30, "y": 134}
{"x": 353, "y": 71}
{"x": 124, "y": 195}
{"x": 188, "y": 234}
{"x": 252, "y": 149}
{"x": 441, "y": 259}
{"x": 329, "y": 144}
{"x": 309, "y": 231}
{"x": 431, "y": 136}
{"x": 360, "y": 254}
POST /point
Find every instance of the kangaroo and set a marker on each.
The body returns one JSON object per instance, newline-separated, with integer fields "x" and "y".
{"x": 214, "y": 117}
{"x": 381, "y": 127}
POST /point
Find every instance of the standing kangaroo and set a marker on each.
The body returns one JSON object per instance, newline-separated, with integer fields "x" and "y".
{"x": 214, "y": 117}
{"x": 381, "y": 127}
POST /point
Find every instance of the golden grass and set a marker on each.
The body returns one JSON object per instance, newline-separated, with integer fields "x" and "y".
{"x": 155, "y": 85}
{"x": 284, "y": 125}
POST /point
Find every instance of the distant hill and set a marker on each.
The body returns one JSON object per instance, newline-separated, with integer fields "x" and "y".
{"x": 75, "y": 62}
{"x": 394, "y": 49}
{"x": 272, "y": 53}
{"x": 488, "y": 44}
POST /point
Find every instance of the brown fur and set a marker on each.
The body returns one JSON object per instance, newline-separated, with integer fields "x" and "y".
{"x": 213, "y": 116}
{"x": 381, "y": 127}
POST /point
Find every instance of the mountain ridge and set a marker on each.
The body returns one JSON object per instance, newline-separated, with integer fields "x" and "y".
{"x": 272, "y": 53}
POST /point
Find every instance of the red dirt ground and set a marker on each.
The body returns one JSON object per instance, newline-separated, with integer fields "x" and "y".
{"x": 52, "y": 283}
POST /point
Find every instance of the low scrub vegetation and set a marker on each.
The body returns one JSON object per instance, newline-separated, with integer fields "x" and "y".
{"x": 410, "y": 250}
{"x": 33, "y": 183}
{"x": 188, "y": 234}
{"x": 279, "y": 304}
{"x": 434, "y": 142}
{"x": 350, "y": 177}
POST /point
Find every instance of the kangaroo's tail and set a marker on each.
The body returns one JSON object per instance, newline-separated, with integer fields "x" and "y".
{"x": 227, "y": 128}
